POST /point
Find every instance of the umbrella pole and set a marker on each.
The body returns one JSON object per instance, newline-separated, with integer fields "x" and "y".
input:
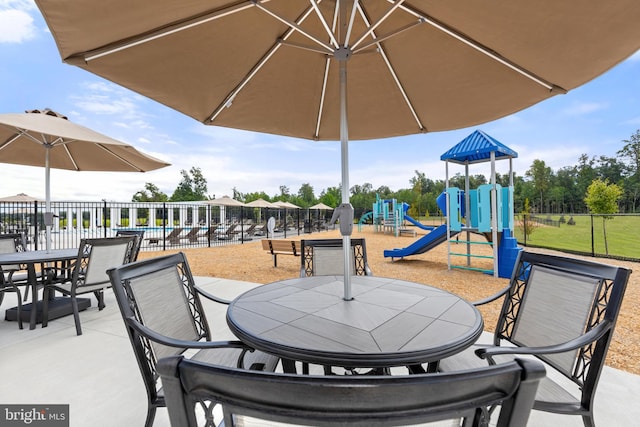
{"x": 344, "y": 144}
{"x": 48, "y": 216}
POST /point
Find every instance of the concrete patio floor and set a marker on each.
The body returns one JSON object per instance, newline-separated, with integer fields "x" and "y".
{"x": 97, "y": 375}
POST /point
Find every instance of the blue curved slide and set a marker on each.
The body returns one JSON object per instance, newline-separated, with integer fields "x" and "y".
{"x": 423, "y": 244}
{"x": 418, "y": 223}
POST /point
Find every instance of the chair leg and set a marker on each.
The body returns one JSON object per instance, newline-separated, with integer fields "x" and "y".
{"x": 45, "y": 307}
{"x": 588, "y": 420}
{"x": 76, "y": 314}
{"x": 19, "y": 310}
{"x": 151, "y": 415}
{"x": 100, "y": 297}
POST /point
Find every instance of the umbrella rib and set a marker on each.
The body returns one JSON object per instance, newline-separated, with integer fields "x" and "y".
{"x": 371, "y": 28}
{"x": 482, "y": 49}
{"x": 122, "y": 159}
{"x": 10, "y": 141}
{"x": 295, "y": 26}
{"x": 322, "y": 97}
{"x": 377, "y": 39}
{"x": 324, "y": 23}
{"x": 394, "y": 75}
{"x": 325, "y": 77}
{"x": 165, "y": 31}
{"x": 66, "y": 149}
{"x": 274, "y": 48}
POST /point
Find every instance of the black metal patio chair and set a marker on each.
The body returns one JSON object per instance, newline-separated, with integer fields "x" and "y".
{"x": 193, "y": 389}
{"x": 137, "y": 244}
{"x": 324, "y": 257}
{"x": 10, "y": 275}
{"x": 161, "y": 308}
{"x": 89, "y": 273}
{"x": 562, "y": 311}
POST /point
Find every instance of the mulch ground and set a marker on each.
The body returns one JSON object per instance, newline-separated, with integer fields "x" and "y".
{"x": 249, "y": 262}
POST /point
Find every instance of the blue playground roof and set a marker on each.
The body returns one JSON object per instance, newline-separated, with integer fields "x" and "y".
{"x": 477, "y": 148}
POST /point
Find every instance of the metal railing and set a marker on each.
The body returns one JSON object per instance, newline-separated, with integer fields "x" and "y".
{"x": 604, "y": 236}
{"x": 165, "y": 225}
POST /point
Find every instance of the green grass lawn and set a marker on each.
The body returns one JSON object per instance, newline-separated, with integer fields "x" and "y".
{"x": 622, "y": 235}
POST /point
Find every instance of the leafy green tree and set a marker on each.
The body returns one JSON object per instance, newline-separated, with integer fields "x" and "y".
{"x": 285, "y": 193}
{"x": 151, "y": 193}
{"x": 193, "y": 186}
{"x": 331, "y": 196}
{"x": 540, "y": 174}
{"x": 602, "y": 199}
{"x": 305, "y": 194}
{"x": 630, "y": 157}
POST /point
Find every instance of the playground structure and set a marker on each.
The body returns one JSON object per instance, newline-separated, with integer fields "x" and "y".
{"x": 487, "y": 210}
{"x": 388, "y": 215}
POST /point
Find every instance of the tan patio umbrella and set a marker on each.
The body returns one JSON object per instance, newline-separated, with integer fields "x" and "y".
{"x": 48, "y": 139}
{"x": 286, "y": 205}
{"x": 261, "y": 203}
{"x": 19, "y": 198}
{"x": 321, "y": 206}
{"x": 289, "y": 67}
{"x": 223, "y": 202}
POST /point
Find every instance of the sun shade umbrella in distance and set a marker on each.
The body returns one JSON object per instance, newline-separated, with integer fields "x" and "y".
{"x": 345, "y": 69}
{"x": 48, "y": 139}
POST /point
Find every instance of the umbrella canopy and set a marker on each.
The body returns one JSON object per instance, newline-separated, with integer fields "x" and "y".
{"x": 261, "y": 203}
{"x": 48, "y": 139}
{"x": 289, "y": 67}
{"x": 413, "y": 66}
{"x": 224, "y": 201}
{"x": 286, "y": 205}
{"x": 321, "y": 206}
{"x": 26, "y": 138}
{"x": 19, "y": 198}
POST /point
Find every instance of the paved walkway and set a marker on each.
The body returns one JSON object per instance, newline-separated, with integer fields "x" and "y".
{"x": 97, "y": 375}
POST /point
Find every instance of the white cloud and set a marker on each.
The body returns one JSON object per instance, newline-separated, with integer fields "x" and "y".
{"x": 584, "y": 108}
{"x": 16, "y": 23}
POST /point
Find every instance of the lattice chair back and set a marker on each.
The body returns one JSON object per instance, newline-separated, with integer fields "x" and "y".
{"x": 161, "y": 308}
{"x": 139, "y": 234}
{"x": 324, "y": 257}
{"x": 165, "y": 301}
{"x": 553, "y": 300}
{"x": 193, "y": 389}
{"x": 96, "y": 256}
{"x": 10, "y": 243}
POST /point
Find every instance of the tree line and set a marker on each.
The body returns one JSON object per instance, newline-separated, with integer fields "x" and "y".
{"x": 544, "y": 190}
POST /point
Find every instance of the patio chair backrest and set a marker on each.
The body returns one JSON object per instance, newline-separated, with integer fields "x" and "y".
{"x": 96, "y": 256}
{"x": 552, "y": 300}
{"x": 159, "y": 293}
{"x": 191, "y": 386}
{"x": 10, "y": 243}
{"x": 324, "y": 257}
{"x": 138, "y": 243}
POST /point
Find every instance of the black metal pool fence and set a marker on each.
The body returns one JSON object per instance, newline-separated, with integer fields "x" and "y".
{"x": 197, "y": 224}
{"x": 166, "y": 225}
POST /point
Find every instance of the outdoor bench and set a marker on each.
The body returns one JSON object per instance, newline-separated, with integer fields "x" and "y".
{"x": 281, "y": 247}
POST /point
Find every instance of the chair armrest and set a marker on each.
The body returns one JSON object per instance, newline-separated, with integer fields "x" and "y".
{"x": 172, "y": 342}
{"x": 212, "y": 297}
{"x": 493, "y": 297}
{"x": 591, "y": 336}
{"x": 203, "y": 345}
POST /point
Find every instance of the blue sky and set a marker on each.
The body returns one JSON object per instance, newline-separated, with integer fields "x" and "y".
{"x": 593, "y": 119}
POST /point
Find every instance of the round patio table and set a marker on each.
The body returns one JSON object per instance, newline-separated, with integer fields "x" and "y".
{"x": 58, "y": 307}
{"x": 389, "y": 322}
